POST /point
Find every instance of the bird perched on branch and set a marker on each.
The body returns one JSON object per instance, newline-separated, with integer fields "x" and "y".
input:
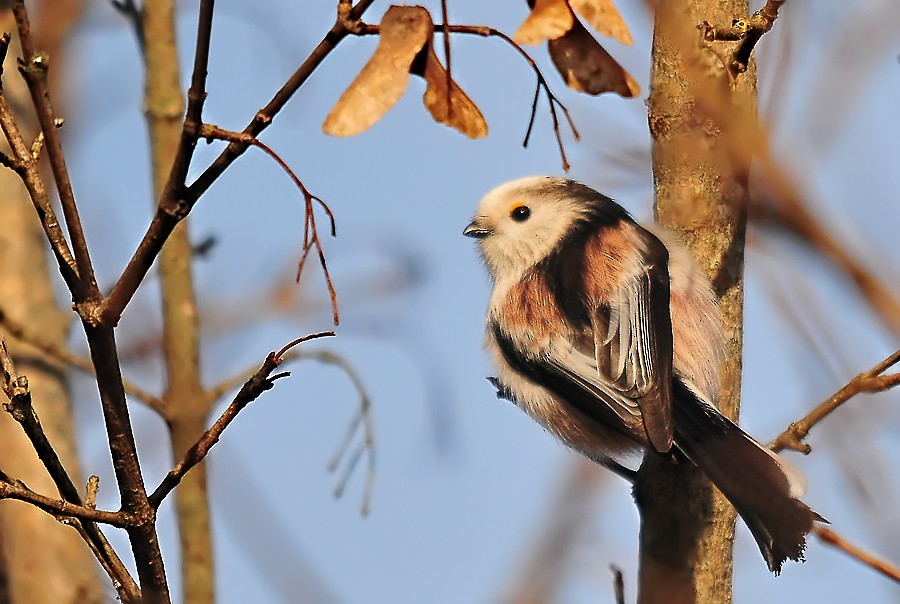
{"x": 608, "y": 335}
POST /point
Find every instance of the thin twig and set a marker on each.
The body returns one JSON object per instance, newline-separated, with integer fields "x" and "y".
{"x": 449, "y": 70}
{"x": 34, "y": 67}
{"x": 485, "y": 31}
{"x": 261, "y": 381}
{"x": 66, "y": 357}
{"x": 11, "y": 488}
{"x": 310, "y": 231}
{"x": 171, "y": 208}
{"x": 873, "y": 380}
{"x": 168, "y": 215}
{"x": 828, "y": 536}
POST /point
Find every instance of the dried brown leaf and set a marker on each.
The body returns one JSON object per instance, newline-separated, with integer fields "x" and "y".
{"x": 604, "y": 17}
{"x": 463, "y": 115}
{"x": 404, "y": 31}
{"x": 587, "y": 67}
{"x": 549, "y": 19}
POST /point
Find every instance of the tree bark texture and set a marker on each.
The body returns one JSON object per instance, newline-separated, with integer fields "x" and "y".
{"x": 687, "y": 526}
{"x": 43, "y": 561}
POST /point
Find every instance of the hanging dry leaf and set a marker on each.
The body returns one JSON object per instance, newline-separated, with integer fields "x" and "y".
{"x": 463, "y": 115}
{"x": 587, "y": 67}
{"x": 603, "y": 16}
{"x": 549, "y": 19}
{"x": 404, "y": 31}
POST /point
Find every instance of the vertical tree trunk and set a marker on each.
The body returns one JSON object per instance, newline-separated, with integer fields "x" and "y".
{"x": 44, "y": 561}
{"x": 186, "y": 402}
{"x": 687, "y": 526}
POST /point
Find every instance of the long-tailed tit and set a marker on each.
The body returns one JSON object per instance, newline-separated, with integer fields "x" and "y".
{"x": 608, "y": 335}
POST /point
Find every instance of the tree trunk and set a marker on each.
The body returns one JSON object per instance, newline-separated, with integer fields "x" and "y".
{"x": 687, "y": 526}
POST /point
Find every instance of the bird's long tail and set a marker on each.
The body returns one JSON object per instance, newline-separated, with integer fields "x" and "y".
{"x": 761, "y": 485}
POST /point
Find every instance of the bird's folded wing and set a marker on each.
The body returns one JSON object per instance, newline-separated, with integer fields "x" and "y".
{"x": 632, "y": 343}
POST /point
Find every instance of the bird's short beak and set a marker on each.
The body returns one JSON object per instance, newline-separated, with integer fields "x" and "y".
{"x": 476, "y": 230}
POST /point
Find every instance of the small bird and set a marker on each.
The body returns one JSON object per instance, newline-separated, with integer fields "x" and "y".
{"x": 608, "y": 334}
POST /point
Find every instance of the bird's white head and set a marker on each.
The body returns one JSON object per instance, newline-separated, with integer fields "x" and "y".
{"x": 520, "y": 222}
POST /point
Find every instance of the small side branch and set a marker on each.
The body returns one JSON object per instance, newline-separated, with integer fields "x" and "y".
{"x": 261, "y": 381}
{"x": 746, "y": 31}
{"x": 873, "y": 380}
{"x": 311, "y": 239}
{"x": 11, "y": 488}
{"x": 828, "y": 536}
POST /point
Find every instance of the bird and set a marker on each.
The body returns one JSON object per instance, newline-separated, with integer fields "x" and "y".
{"x": 608, "y": 334}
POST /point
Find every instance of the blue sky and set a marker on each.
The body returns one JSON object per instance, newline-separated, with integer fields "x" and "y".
{"x": 464, "y": 481}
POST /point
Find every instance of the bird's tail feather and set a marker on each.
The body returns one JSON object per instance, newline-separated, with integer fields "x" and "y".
{"x": 761, "y": 486}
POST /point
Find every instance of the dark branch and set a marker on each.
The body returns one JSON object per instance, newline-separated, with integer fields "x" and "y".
{"x": 11, "y": 488}
{"x": 24, "y": 163}
{"x": 175, "y": 208}
{"x": 33, "y": 67}
{"x": 20, "y": 407}
{"x": 261, "y": 381}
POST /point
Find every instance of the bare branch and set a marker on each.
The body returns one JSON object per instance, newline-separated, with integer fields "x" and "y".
{"x": 828, "y": 536}
{"x": 34, "y": 67}
{"x": 11, "y": 488}
{"x": 24, "y": 163}
{"x": 873, "y": 380}
{"x": 261, "y": 381}
{"x": 175, "y": 208}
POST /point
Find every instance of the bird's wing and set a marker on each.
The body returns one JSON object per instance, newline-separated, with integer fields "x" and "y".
{"x": 628, "y": 351}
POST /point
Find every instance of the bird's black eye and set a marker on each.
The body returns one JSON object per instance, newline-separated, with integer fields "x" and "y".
{"x": 520, "y": 213}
